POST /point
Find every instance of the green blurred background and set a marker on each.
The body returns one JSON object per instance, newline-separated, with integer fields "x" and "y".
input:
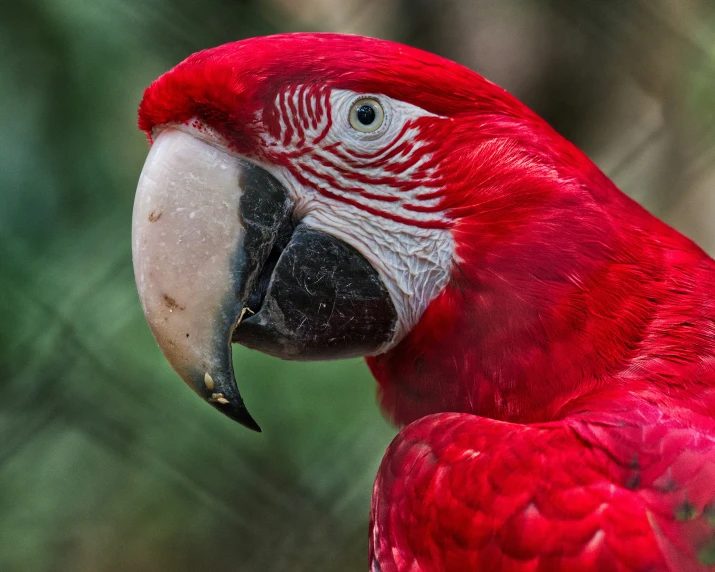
{"x": 107, "y": 461}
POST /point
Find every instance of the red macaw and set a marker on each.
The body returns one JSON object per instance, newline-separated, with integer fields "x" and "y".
{"x": 549, "y": 345}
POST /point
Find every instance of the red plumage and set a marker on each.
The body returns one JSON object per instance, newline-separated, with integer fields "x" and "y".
{"x": 560, "y": 387}
{"x": 627, "y": 488}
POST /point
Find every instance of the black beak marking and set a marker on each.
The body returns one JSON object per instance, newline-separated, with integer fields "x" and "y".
{"x": 265, "y": 211}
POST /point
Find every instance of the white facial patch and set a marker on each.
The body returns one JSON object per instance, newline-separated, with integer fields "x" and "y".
{"x": 378, "y": 192}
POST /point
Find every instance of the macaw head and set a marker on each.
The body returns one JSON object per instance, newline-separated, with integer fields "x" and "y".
{"x": 320, "y": 196}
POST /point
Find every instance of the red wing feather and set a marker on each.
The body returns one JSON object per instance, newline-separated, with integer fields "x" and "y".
{"x": 458, "y": 492}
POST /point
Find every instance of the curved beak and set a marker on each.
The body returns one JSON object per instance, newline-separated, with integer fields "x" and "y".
{"x": 214, "y": 247}
{"x": 192, "y": 270}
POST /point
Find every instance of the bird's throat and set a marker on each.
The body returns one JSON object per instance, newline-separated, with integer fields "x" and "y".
{"x": 526, "y": 336}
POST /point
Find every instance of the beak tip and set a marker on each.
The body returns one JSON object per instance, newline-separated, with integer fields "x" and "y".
{"x": 239, "y": 413}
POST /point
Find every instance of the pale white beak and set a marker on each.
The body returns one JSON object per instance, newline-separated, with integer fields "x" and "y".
{"x": 187, "y": 235}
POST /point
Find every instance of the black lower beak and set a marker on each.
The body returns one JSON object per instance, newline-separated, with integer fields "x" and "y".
{"x": 323, "y": 301}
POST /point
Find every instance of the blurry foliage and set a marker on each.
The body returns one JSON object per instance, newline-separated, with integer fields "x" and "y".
{"x": 107, "y": 462}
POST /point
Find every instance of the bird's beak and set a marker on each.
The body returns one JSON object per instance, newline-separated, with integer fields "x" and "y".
{"x": 214, "y": 246}
{"x": 192, "y": 269}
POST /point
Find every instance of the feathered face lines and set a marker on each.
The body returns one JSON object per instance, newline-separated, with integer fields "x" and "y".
{"x": 391, "y": 172}
{"x": 361, "y": 182}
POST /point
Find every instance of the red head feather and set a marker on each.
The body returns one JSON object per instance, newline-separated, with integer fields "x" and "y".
{"x": 227, "y": 84}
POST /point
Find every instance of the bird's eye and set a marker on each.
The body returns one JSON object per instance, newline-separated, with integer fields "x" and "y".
{"x": 366, "y": 115}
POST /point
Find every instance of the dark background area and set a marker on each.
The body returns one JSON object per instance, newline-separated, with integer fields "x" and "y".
{"x": 107, "y": 461}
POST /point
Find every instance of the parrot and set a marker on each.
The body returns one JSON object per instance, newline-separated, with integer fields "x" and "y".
{"x": 545, "y": 344}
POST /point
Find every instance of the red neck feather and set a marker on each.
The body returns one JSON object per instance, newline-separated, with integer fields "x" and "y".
{"x": 563, "y": 289}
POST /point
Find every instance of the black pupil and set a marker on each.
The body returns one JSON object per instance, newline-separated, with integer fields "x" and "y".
{"x": 366, "y": 114}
